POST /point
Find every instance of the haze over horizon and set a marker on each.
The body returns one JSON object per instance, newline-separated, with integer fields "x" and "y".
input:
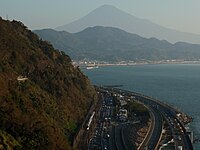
{"x": 181, "y": 15}
{"x": 51, "y": 52}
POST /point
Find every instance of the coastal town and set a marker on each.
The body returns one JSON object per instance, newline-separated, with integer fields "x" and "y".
{"x": 92, "y": 64}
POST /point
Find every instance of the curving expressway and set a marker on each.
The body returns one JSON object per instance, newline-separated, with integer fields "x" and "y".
{"x": 155, "y": 131}
{"x": 181, "y": 138}
{"x": 159, "y": 111}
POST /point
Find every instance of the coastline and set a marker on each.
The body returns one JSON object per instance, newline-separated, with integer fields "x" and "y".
{"x": 100, "y": 64}
{"x": 170, "y": 80}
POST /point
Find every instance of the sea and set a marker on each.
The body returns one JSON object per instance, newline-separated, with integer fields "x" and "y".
{"x": 175, "y": 84}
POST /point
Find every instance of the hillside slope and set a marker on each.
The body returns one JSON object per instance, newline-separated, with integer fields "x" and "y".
{"x": 113, "y": 44}
{"x": 44, "y": 111}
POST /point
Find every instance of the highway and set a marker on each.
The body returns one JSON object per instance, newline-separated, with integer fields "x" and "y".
{"x": 101, "y": 136}
{"x": 118, "y": 136}
{"x": 181, "y": 138}
{"x": 153, "y": 137}
{"x": 155, "y": 130}
{"x": 110, "y": 136}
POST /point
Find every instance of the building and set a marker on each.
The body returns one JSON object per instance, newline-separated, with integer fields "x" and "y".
{"x": 123, "y": 114}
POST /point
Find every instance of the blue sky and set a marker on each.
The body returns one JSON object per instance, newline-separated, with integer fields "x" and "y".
{"x": 183, "y": 15}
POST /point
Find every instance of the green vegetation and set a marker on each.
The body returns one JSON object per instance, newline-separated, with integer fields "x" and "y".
{"x": 8, "y": 142}
{"x": 114, "y": 45}
{"x": 46, "y": 110}
{"x": 137, "y": 108}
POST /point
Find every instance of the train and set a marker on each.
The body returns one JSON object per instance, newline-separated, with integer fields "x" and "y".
{"x": 90, "y": 120}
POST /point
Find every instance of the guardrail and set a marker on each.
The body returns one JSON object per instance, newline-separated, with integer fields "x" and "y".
{"x": 150, "y": 130}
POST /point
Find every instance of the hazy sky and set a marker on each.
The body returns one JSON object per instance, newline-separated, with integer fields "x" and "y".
{"x": 183, "y": 15}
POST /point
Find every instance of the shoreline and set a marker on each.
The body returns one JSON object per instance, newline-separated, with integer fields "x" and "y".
{"x": 96, "y": 65}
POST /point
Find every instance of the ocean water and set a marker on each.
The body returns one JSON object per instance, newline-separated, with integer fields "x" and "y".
{"x": 175, "y": 84}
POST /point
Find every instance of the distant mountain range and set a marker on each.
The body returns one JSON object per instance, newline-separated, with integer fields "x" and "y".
{"x": 113, "y": 44}
{"x": 111, "y": 16}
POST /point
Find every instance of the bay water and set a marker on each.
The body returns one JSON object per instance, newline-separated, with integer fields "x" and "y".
{"x": 175, "y": 84}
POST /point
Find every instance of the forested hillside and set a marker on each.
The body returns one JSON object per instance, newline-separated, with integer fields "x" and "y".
{"x": 43, "y": 98}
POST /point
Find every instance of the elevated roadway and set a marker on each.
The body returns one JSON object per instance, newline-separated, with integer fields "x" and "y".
{"x": 160, "y": 109}
{"x": 179, "y": 129}
{"x": 155, "y": 131}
